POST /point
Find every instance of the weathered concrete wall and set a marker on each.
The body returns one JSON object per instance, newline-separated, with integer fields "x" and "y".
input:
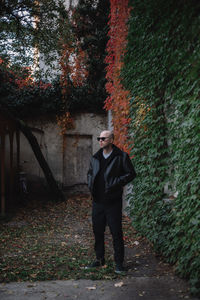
{"x": 68, "y": 155}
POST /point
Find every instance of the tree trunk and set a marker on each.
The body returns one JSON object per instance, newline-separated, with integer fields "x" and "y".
{"x": 57, "y": 193}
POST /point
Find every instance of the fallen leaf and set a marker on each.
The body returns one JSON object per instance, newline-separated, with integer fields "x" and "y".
{"x": 142, "y": 293}
{"x": 119, "y": 284}
{"x": 136, "y": 243}
{"x": 10, "y": 292}
{"x": 31, "y": 285}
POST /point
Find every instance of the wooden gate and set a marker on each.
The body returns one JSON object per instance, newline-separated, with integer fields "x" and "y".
{"x": 76, "y": 157}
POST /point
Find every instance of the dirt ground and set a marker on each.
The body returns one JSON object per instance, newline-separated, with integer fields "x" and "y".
{"x": 46, "y": 241}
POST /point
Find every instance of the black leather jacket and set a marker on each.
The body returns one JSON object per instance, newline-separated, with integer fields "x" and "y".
{"x": 118, "y": 173}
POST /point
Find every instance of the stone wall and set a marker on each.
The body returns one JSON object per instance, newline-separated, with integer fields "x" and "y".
{"x": 68, "y": 155}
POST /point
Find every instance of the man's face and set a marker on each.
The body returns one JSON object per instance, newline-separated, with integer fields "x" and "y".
{"x": 105, "y": 139}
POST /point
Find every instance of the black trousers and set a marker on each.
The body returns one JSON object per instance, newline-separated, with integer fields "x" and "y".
{"x": 111, "y": 215}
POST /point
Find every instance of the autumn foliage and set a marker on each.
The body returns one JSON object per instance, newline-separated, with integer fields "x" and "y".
{"x": 118, "y": 99}
{"x": 79, "y": 70}
{"x": 20, "y": 79}
{"x": 73, "y": 72}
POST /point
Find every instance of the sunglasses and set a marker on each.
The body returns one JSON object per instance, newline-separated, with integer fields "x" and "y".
{"x": 102, "y": 138}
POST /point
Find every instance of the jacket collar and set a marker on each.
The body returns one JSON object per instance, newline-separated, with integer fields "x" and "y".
{"x": 116, "y": 151}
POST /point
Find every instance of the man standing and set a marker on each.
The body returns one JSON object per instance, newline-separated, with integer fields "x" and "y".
{"x": 110, "y": 169}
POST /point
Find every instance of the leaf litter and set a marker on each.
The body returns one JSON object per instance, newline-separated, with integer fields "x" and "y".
{"x": 49, "y": 241}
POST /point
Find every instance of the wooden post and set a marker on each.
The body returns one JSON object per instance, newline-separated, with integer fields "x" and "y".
{"x": 11, "y": 134}
{"x": 18, "y": 149}
{"x": 2, "y": 173}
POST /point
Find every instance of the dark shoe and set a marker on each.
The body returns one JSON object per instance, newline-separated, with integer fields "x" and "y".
{"x": 119, "y": 269}
{"x": 97, "y": 263}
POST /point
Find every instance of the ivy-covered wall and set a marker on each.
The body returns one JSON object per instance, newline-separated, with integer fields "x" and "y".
{"x": 162, "y": 73}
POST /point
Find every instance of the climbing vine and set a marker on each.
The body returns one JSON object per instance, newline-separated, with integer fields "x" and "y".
{"x": 65, "y": 120}
{"x": 161, "y": 71}
{"x": 118, "y": 98}
{"x": 82, "y": 60}
{"x": 73, "y": 74}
